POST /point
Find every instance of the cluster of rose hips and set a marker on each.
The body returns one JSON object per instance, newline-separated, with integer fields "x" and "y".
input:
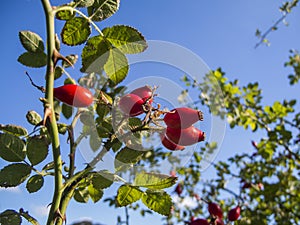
{"x": 179, "y": 132}
{"x": 216, "y": 214}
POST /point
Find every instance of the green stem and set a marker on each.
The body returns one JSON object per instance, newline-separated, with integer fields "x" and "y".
{"x": 73, "y": 144}
{"x": 51, "y": 121}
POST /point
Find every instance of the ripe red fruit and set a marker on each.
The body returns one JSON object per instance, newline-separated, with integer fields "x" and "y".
{"x": 246, "y": 185}
{"x": 199, "y": 222}
{"x": 187, "y": 136}
{"x": 215, "y": 210}
{"x": 219, "y": 221}
{"x": 131, "y": 105}
{"x": 169, "y": 144}
{"x": 179, "y": 189}
{"x": 234, "y": 213}
{"x": 143, "y": 92}
{"x": 182, "y": 117}
{"x": 73, "y": 95}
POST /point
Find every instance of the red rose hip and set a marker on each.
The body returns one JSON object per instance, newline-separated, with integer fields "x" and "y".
{"x": 215, "y": 210}
{"x": 182, "y": 117}
{"x": 144, "y": 92}
{"x": 131, "y": 104}
{"x": 179, "y": 189}
{"x": 219, "y": 221}
{"x": 169, "y": 144}
{"x": 234, "y": 213}
{"x": 73, "y": 95}
{"x": 199, "y": 222}
{"x": 187, "y": 136}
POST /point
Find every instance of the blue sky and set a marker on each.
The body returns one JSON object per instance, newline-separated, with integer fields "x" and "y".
{"x": 220, "y": 32}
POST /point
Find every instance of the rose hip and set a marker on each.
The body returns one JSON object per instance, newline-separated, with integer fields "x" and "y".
{"x": 182, "y": 117}
{"x": 144, "y": 92}
{"x": 199, "y": 222}
{"x": 169, "y": 144}
{"x": 73, "y": 95}
{"x": 234, "y": 213}
{"x": 215, "y": 210}
{"x": 131, "y": 105}
{"x": 187, "y": 136}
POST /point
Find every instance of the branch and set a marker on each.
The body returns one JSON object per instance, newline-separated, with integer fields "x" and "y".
{"x": 50, "y": 115}
{"x": 264, "y": 35}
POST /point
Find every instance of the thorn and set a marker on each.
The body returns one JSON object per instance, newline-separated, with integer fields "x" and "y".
{"x": 57, "y": 56}
{"x": 58, "y": 214}
{"x": 47, "y": 114}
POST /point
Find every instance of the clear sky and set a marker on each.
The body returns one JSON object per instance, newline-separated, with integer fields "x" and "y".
{"x": 220, "y": 32}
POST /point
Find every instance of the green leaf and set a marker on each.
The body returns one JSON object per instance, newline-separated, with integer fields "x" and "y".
{"x": 95, "y": 141}
{"x": 154, "y": 180}
{"x": 12, "y": 148}
{"x": 58, "y": 72}
{"x": 37, "y": 149}
{"x": 116, "y": 67}
{"x": 134, "y": 122}
{"x": 127, "y": 157}
{"x": 35, "y": 183}
{"x": 75, "y": 31}
{"x": 31, "y": 41}
{"x": 87, "y": 118}
{"x": 62, "y": 128}
{"x": 35, "y": 60}
{"x": 14, "y": 129}
{"x": 10, "y": 217}
{"x": 84, "y": 3}
{"x": 67, "y": 110}
{"x": 158, "y": 201}
{"x": 116, "y": 145}
{"x": 95, "y": 54}
{"x": 72, "y": 58}
{"x": 49, "y": 166}
{"x": 14, "y": 174}
{"x": 66, "y": 14}
{"x": 125, "y": 38}
{"x": 95, "y": 193}
{"x": 102, "y": 179}
{"x": 102, "y": 9}
{"x": 127, "y": 195}
{"x": 102, "y": 131}
{"x": 102, "y": 110}
{"x": 33, "y": 118}
{"x": 81, "y": 195}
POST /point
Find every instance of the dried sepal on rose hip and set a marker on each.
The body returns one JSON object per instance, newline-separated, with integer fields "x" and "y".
{"x": 74, "y": 95}
{"x": 181, "y": 118}
{"x": 185, "y": 137}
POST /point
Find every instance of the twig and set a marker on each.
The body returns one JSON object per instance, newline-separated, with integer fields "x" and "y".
{"x": 264, "y": 35}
